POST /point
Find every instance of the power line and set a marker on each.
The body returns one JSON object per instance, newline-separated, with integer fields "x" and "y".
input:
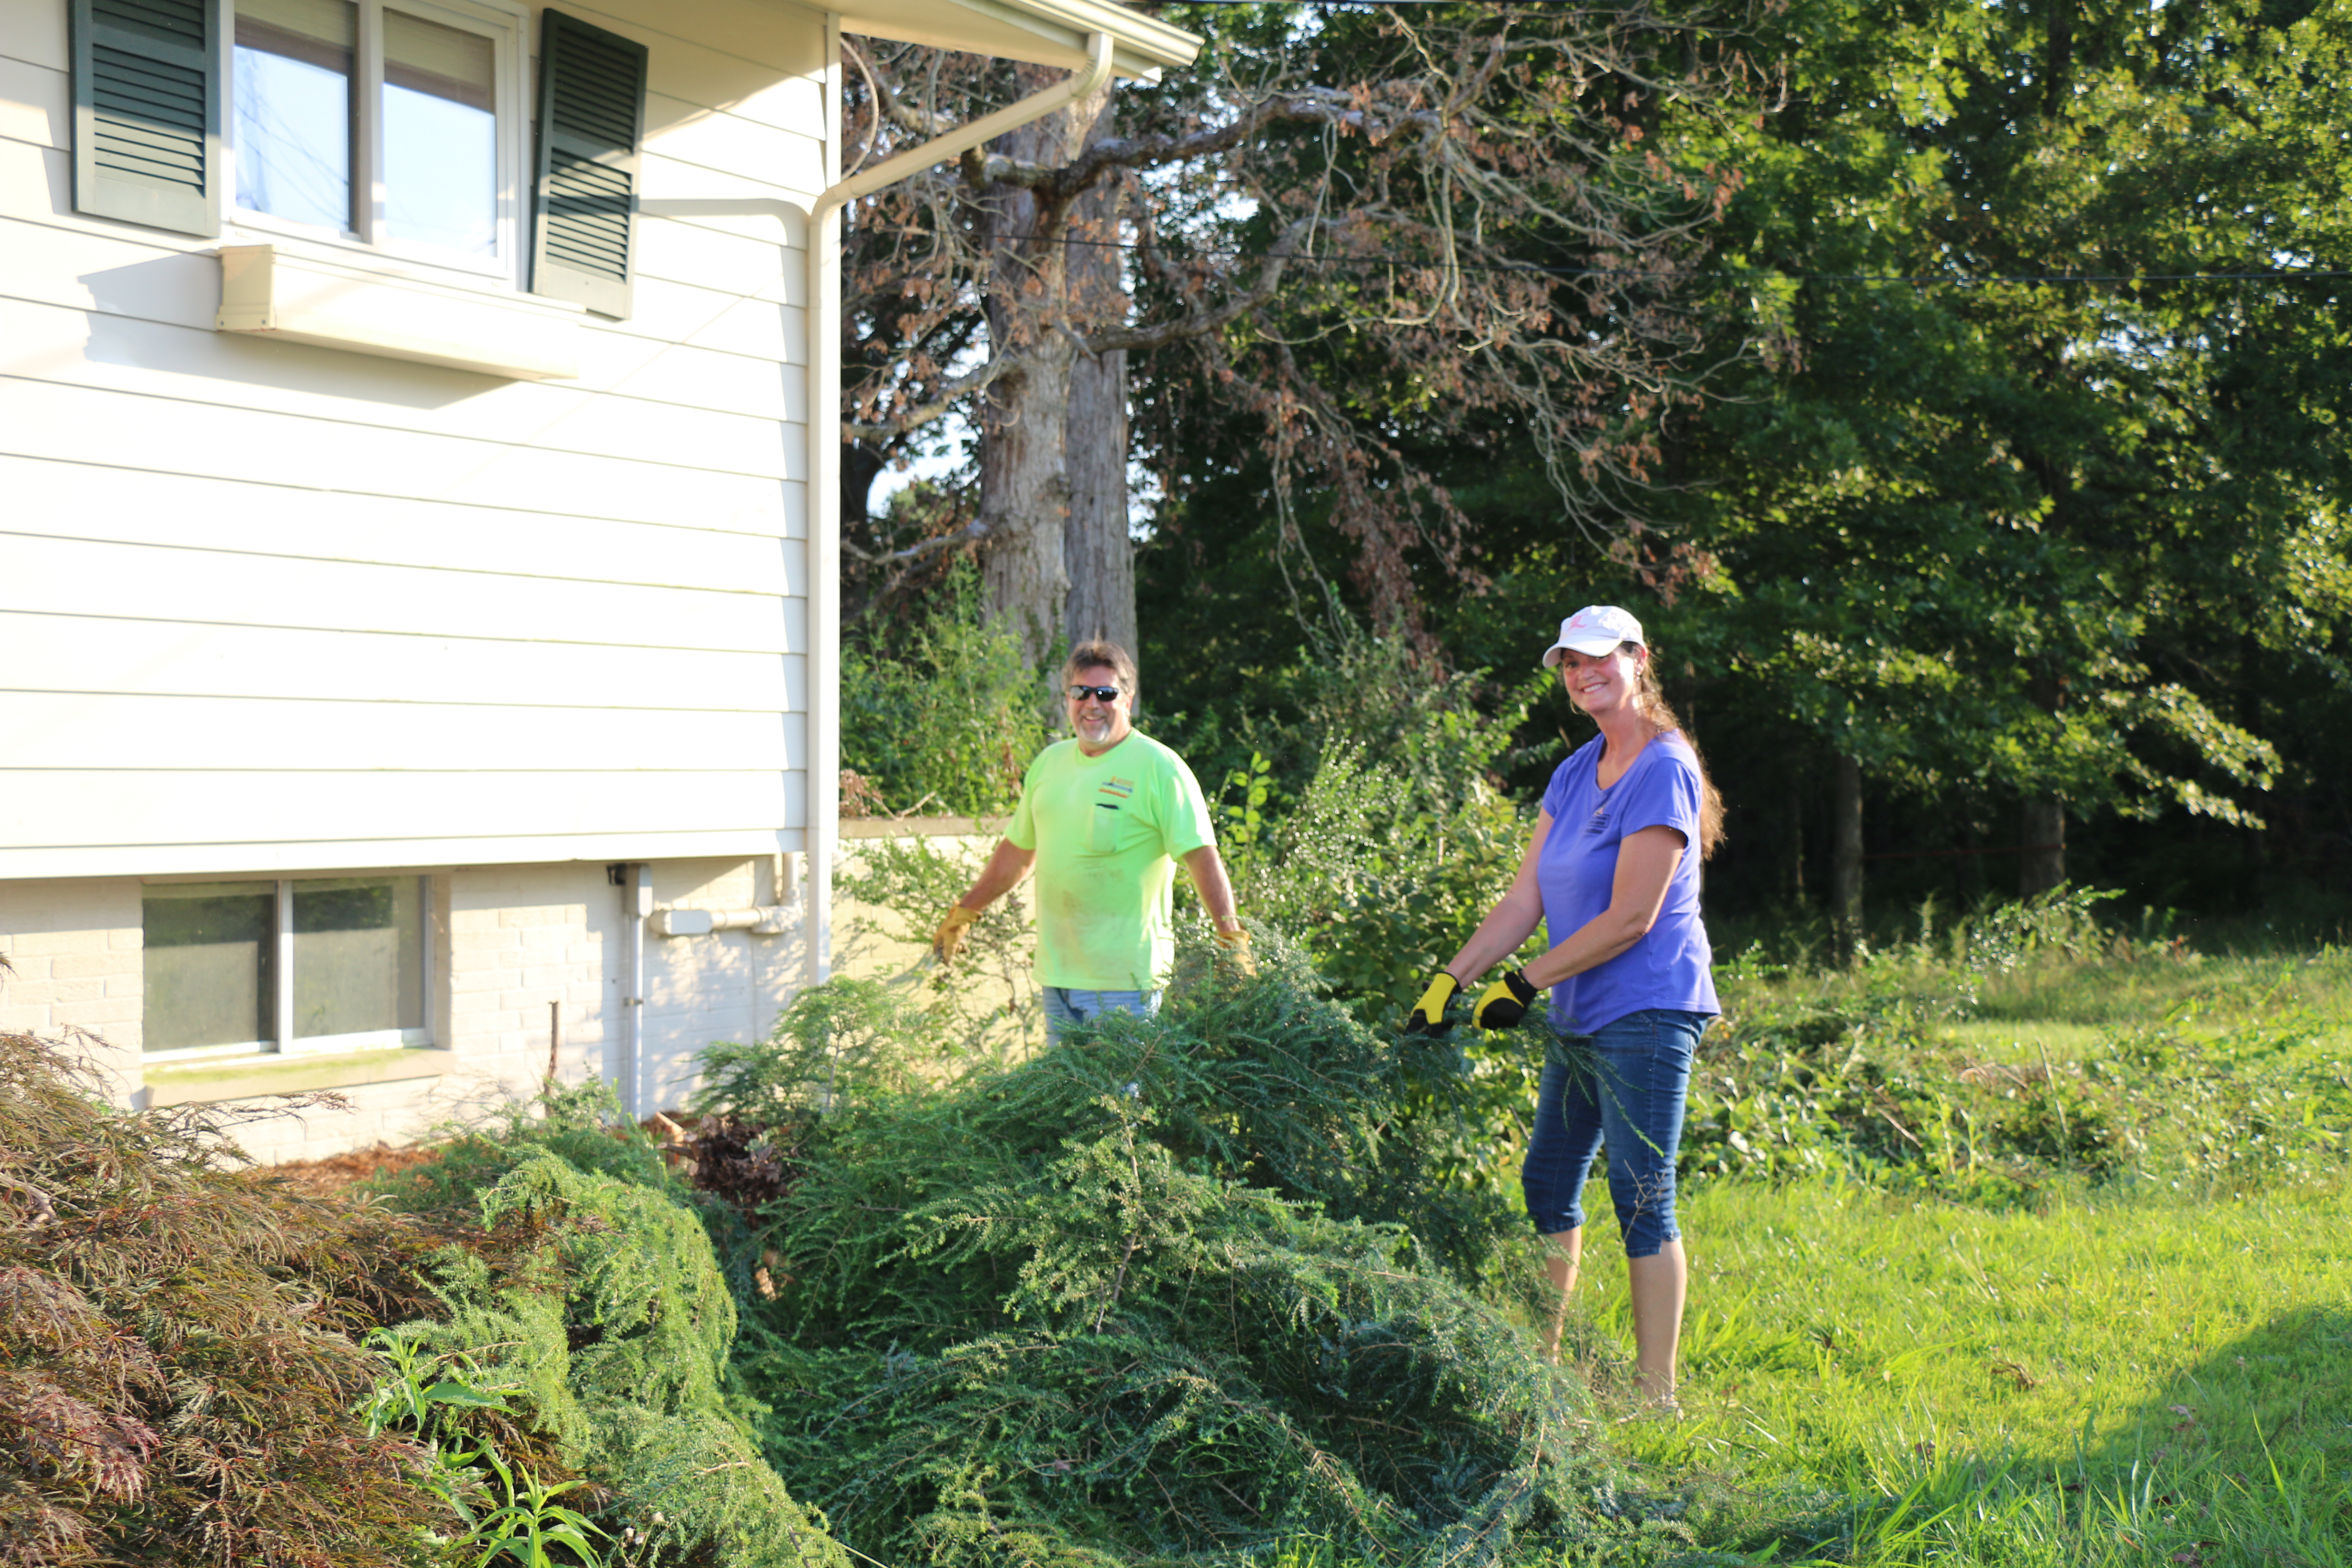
{"x": 1743, "y": 279}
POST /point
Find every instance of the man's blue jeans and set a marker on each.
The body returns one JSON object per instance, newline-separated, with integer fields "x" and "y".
{"x": 1065, "y": 1009}
{"x": 1621, "y": 1086}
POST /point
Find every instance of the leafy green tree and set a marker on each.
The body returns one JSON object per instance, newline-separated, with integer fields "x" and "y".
{"x": 2043, "y": 463}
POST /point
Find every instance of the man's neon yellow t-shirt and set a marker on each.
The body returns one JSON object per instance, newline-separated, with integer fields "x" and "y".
{"x": 1106, "y": 831}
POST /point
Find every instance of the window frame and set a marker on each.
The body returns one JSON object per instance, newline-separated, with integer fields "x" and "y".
{"x": 507, "y": 25}
{"x": 286, "y": 1046}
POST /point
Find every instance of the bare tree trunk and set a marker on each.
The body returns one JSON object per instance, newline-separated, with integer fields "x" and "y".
{"x": 1024, "y": 482}
{"x": 1096, "y": 545}
{"x": 2041, "y": 828}
{"x": 1025, "y": 494}
{"x": 1792, "y": 836}
{"x": 2254, "y": 847}
{"x": 1845, "y": 854}
{"x": 1100, "y": 554}
{"x": 860, "y": 467}
{"x": 2041, "y": 821}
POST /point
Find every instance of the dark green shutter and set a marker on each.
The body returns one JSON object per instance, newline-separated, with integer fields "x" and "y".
{"x": 148, "y": 82}
{"x": 592, "y": 112}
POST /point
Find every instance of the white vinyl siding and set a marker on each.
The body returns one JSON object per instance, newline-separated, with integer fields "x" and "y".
{"x": 271, "y": 606}
{"x": 274, "y": 820}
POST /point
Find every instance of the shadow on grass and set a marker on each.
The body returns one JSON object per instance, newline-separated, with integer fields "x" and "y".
{"x": 2244, "y": 1458}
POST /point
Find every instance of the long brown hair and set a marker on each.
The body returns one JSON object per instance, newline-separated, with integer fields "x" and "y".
{"x": 1662, "y": 718}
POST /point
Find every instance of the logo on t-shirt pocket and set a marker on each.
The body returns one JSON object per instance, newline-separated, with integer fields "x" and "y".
{"x": 1597, "y": 823}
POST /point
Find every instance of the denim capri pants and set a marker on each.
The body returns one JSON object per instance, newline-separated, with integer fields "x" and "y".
{"x": 1621, "y": 1086}
{"x": 1065, "y": 1009}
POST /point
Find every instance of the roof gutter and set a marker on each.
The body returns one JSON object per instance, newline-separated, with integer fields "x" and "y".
{"x": 1087, "y": 80}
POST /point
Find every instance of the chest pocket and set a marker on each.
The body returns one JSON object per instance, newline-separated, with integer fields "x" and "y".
{"x": 1106, "y": 828}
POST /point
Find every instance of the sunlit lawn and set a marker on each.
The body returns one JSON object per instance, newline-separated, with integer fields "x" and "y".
{"x": 2144, "y": 1372}
{"x": 2098, "y": 1382}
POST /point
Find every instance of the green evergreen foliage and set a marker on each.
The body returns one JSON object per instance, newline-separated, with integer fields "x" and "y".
{"x": 913, "y": 880}
{"x": 598, "y": 1299}
{"x": 1359, "y": 812}
{"x": 178, "y": 1382}
{"x": 579, "y": 1123}
{"x": 1176, "y": 1289}
{"x": 940, "y": 712}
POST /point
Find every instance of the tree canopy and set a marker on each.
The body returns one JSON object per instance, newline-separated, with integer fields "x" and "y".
{"x": 1992, "y": 459}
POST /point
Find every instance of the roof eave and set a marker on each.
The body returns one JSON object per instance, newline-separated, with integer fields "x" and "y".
{"x": 1044, "y": 32}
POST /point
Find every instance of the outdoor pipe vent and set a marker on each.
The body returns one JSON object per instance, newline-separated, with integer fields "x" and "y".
{"x": 766, "y": 920}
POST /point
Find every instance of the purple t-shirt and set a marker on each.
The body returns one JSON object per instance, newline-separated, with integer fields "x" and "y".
{"x": 1668, "y": 968}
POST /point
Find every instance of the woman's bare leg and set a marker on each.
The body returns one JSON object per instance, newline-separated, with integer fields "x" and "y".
{"x": 1563, "y": 1262}
{"x": 1658, "y": 1287}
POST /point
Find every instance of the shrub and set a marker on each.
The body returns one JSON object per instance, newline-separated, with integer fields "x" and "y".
{"x": 594, "y": 1294}
{"x": 947, "y": 714}
{"x": 178, "y": 1379}
{"x": 1853, "y": 1079}
{"x": 1376, "y": 835}
{"x": 913, "y": 881}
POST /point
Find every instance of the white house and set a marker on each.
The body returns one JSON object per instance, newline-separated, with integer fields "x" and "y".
{"x": 418, "y": 521}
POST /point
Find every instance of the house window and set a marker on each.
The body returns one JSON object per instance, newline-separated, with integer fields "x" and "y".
{"x": 396, "y": 125}
{"x": 321, "y": 964}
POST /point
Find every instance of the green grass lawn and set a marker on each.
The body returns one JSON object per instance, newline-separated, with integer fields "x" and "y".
{"x": 1878, "y": 1382}
{"x": 2154, "y": 1369}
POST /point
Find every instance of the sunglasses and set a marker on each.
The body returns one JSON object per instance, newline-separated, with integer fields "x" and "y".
{"x": 1100, "y": 693}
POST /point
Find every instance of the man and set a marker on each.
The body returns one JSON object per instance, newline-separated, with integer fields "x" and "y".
{"x": 1103, "y": 818}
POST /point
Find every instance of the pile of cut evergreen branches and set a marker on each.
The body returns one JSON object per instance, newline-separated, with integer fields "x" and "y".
{"x": 1178, "y": 1290}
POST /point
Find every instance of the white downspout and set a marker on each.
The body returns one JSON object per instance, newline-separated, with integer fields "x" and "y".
{"x": 821, "y": 304}
{"x": 636, "y": 903}
{"x": 819, "y": 329}
{"x": 824, "y": 296}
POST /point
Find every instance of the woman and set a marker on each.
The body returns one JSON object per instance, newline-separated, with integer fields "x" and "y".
{"x": 1612, "y": 870}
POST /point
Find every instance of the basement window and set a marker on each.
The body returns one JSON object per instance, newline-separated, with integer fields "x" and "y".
{"x": 325, "y": 964}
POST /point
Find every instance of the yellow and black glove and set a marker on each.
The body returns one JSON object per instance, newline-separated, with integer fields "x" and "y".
{"x": 1428, "y": 1015}
{"x": 1236, "y": 945}
{"x": 947, "y": 941}
{"x": 1505, "y": 1001}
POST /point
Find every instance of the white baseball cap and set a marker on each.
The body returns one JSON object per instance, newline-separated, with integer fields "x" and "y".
{"x": 1594, "y": 630}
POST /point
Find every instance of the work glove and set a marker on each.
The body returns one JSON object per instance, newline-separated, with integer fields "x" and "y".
{"x": 1236, "y": 945}
{"x": 947, "y": 941}
{"x": 1428, "y": 1015}
{"x": 1505, "y": 1001}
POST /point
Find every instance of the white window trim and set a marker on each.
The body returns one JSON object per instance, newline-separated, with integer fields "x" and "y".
{"x": 507, "y": 25}
{"x": 286, "y": 1047}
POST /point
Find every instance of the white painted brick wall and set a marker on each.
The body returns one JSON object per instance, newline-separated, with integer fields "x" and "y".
{"x": 393, "y": 1114}
{"x": 522, "y": 938}
{"x": 75, "y": 949}
{"x": 728, "y": 986}
{"x": 509, "y": 940}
